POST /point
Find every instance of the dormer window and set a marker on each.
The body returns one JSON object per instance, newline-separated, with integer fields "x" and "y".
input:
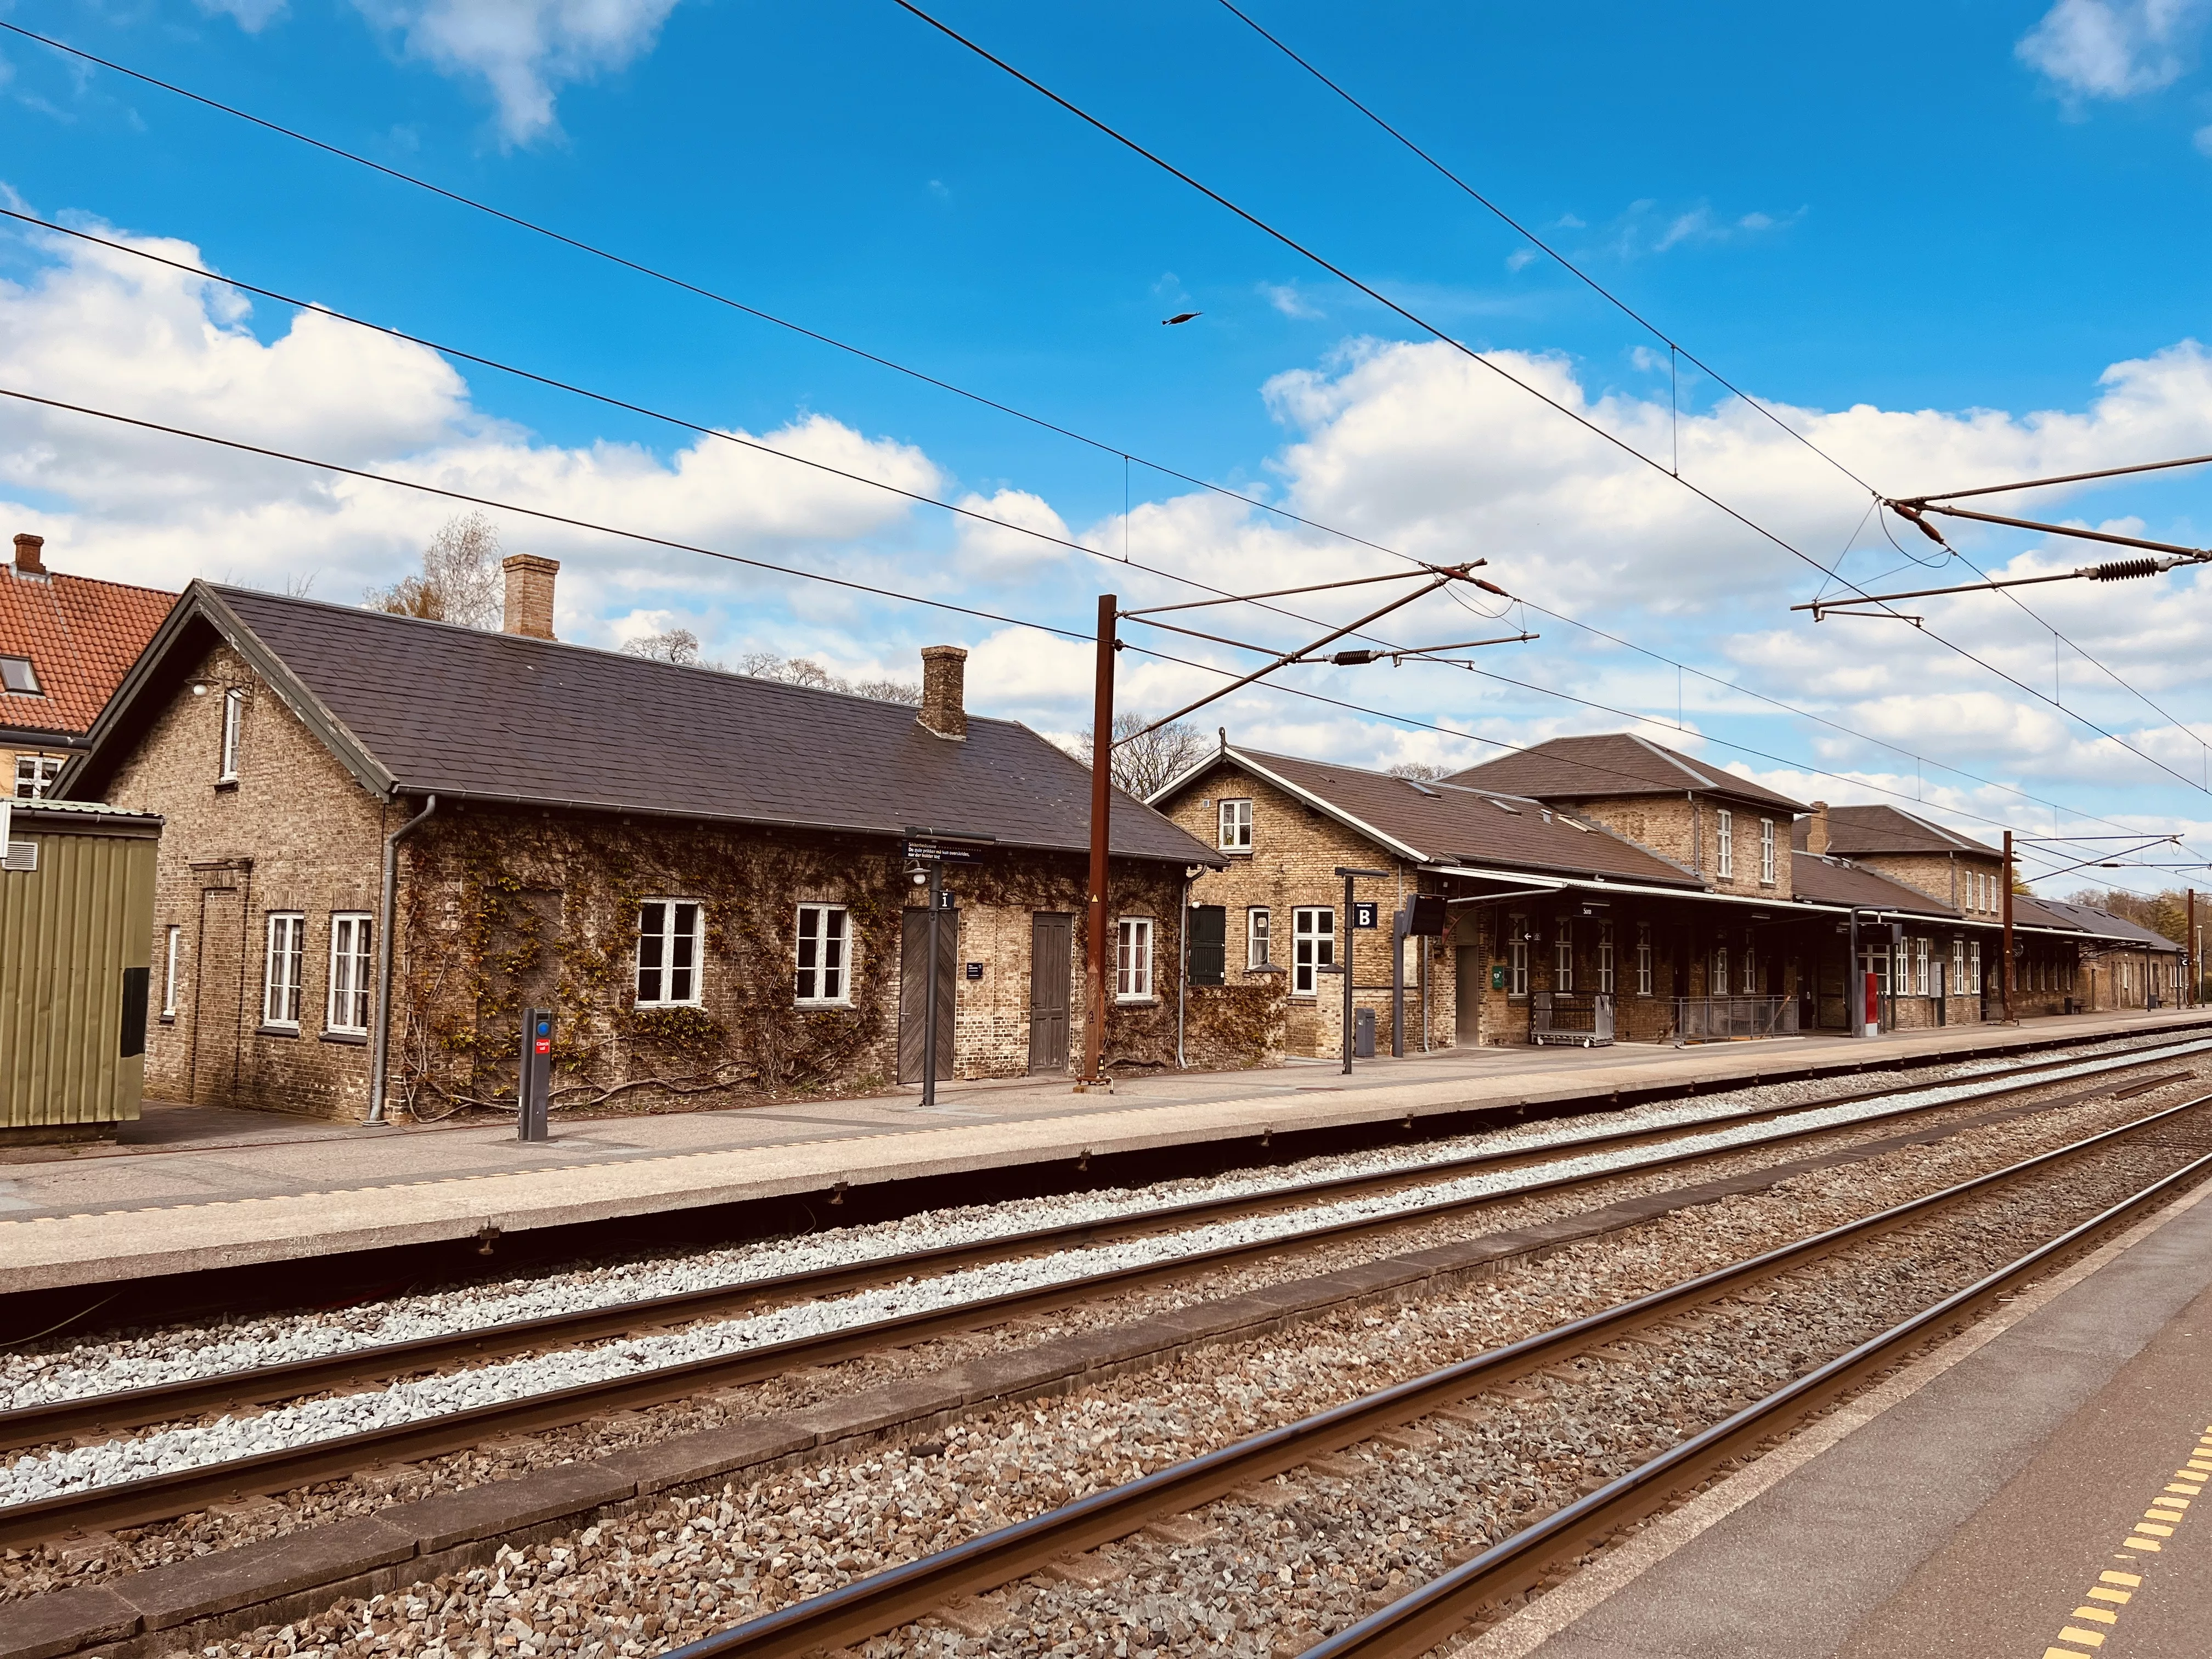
{"x": 16, "y": 675}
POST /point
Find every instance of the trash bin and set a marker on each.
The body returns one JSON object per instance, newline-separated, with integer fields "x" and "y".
{"x": 1363, "y": 1033}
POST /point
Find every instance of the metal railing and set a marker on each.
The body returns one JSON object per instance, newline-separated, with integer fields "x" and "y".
{"x": 1561, "y": 1016}
{"x": 1726, "y": 1019}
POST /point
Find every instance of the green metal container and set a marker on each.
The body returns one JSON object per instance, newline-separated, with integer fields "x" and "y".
{"x": 77, "y": 940}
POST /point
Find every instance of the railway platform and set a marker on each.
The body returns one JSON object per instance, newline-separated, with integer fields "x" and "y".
{"x": 2036, "y": 1487}
{"x": 199, "y": 1190}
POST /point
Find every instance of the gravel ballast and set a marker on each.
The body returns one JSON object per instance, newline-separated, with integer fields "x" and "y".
{"x": 782, "y": 1537}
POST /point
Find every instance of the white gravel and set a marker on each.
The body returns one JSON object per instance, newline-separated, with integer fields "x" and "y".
{"x": 71, "y": 1370}
{"x": 81, "y": 1467}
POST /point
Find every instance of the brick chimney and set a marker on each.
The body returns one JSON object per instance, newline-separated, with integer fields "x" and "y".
{"x": 944, "y": 678}
{"x": 529, "y": 595}
{"x": 27, "y": 562}
{"x": 1816, "y": 829}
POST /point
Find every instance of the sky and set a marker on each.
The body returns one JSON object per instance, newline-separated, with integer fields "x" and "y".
{"x": 1928, "y": 248}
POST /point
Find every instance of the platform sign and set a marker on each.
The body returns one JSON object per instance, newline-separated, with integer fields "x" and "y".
{"x": 974, "y": 970}
{"x": 929, "y": 852}
{"x": 1366, "y": 913}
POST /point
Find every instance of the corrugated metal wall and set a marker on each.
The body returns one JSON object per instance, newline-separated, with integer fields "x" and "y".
{"x": 68, "y": 930}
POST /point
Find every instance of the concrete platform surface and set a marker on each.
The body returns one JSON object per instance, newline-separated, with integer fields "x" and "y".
{"x": 223, "y": 1189}
{"x": 2027, "y": 1491}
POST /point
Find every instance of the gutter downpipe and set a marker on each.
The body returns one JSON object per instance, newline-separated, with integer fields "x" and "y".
{"x": 387, "y": 902}
{"x": 1182, "y": 971}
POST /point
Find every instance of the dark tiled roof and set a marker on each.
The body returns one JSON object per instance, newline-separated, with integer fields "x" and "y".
{"x": 1854, "y": 830}
{"x": 81, "y": 636}
{"x": 1611, "y": 763}
{"x": 2103, "y": 923}
{"x": 430, "y": 708}
{"x": 1833, "y": 881}
{"x": 1446, "y": 824}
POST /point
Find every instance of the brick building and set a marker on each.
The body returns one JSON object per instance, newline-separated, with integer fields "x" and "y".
{"x": 708, "y": 877}
{"x": 1619, "y": 888}
{"x": 65, "y": 644}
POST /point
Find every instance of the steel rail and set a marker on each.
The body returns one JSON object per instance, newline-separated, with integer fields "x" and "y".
{"x": 164, "y": 1496}
{"x": 1419, "y": 1621}
{"x": 885, "y": 1600}
{"x": 163, "y": 1402}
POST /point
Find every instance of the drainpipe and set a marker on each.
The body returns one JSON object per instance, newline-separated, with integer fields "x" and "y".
{"x": 1182, "y": 972}
{"x": 387, "y": 902}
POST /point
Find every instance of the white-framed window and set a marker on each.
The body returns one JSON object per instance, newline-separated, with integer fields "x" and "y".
{"x": 1921, "y": 977}
{"x": 280, "y": 973}
{"x": 1957, "y": 985}
{"x": 352, "y": 963}
{"x": 1236, "y": 826}
{"x": 1643, "y": 959}
{"x": 17, "y": 675}
{"x": 1726, "y": 840}
{"x": 1718, "y": 982}
{"x": 825, "y": 948}
{"x": 1750, "y": 970}
{"x": 233, "y": 724}
{"x": 1563, "y": 955}
{"x": 668, "y": 939}
{"x": 1605, "y": 959}
{"x": 1974, "y": 964}
{"x": 1767, "y": 851}
{"x": 1257, "y": 937}
{"x": 33, "y": 773}
{"x": 1313, "y": 946}
{"x": 173, "y": 949}
{"x": 1517, "y": 956}
{"x": 1133, "y": 959}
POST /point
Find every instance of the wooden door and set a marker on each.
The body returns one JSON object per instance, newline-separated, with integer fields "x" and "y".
{"x": 914, "y": 990}
{"x": 1471, "y": 976}
{"x": 1052, "y": 957}
{"x": 219, "y": 1011}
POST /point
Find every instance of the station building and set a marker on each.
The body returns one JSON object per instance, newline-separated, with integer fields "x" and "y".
{"x": 1609, "y": 889}
{"x": 386, "y": 837}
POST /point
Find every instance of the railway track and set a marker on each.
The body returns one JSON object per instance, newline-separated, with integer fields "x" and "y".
{"x": 1417, "y": 1621}
{"x": 181, "y": 1490}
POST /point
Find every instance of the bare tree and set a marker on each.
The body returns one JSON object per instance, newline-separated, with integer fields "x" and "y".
{"x": 1141, "y": 765}
{"x": 1424, "y": 771}
{"x": 677, "y": 645}
{"x": 2165, "y": 913}
{"x": 799, "y": 670}
{"x": 461, "y": 581}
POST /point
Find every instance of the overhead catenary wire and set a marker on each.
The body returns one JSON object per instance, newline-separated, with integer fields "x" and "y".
{"x": 245, "y": 286}
{"x": 1674, "y": 348}
{"x": 652, "y": 273}
{"x": 861, "y": 478}
{"x": 801, "y": 573}
{"x": 701, "y": 291}
{"x": 1467, "y": 351}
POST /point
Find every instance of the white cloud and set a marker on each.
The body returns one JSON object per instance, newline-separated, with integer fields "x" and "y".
{"x": 1287, "y": 299}
{"x": 1521, "y": 259}
{"x": 988, "y": 550}
{"x": 523, "y": 50}
{"x": 105, "y": 330}
{"x": 252, "y": 16}
{"x": 2111, "y": 48}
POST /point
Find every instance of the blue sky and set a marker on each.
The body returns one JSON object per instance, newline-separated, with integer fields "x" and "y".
{"x": 1953, "y": 243}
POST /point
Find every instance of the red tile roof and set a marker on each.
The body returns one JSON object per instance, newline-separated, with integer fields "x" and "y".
{"x": 81, "y": 636}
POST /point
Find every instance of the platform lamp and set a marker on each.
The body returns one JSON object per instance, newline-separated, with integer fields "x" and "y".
{"x": 1103, "y": 742}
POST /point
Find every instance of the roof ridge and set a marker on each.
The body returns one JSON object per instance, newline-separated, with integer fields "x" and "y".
{"x": 619, "y": 655}
{"x": 1670, "y": 757}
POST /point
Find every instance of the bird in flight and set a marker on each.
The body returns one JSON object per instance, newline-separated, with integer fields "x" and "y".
{"x": 1180, "y": 317}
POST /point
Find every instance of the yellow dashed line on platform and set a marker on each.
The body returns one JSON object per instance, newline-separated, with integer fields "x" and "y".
{"x": 2116, "y": 1589}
